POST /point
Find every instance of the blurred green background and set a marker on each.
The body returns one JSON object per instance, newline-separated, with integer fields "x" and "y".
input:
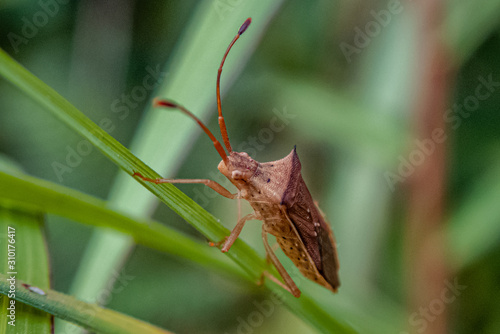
{"x": 354, "y": 105}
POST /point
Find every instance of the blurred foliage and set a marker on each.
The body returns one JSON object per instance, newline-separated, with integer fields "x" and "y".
{"x": 352, "y": 124}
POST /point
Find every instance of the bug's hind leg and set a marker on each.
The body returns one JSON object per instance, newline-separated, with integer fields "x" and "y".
{"x": 289, "y": 284}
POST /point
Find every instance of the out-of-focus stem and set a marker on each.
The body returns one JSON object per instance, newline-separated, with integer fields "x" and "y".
{"x": 426, "y": 266}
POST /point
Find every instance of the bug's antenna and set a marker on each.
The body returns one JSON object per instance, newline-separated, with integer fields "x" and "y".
{"x": 217, "y": 144}
{"x": 222, "y": 123}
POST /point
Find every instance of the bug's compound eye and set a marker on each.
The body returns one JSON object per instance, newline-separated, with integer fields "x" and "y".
{"x": 237, "y": 175}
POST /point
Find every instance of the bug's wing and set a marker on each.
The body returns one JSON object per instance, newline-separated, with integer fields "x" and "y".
{"x": 328, "y": 250}
{"x": 312, "y": 228}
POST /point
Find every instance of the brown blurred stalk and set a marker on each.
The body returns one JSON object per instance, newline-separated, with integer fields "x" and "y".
{"x": 425, "y": 253}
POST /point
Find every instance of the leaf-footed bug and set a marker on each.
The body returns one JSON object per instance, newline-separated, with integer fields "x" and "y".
{"x": 279, "y": 197}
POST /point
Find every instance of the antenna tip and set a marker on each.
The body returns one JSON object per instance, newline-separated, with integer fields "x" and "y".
{"x": 244, "y": 26}
{"x": 163, "y": 103}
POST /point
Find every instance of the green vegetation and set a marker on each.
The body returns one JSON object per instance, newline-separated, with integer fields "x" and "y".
{"x": 344, "y": 81}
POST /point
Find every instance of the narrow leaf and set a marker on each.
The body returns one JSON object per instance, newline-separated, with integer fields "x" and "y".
{"x": 90, "y": 316}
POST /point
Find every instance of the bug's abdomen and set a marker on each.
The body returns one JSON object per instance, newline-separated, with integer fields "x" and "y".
{"x": 295, "y": 250}
{"x": 287, "y": 237}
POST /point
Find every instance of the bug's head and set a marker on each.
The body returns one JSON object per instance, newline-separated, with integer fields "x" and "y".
{"x": 239, "y": 168}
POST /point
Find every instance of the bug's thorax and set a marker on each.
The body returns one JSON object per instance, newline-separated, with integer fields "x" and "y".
{"x": 258, "y": 181}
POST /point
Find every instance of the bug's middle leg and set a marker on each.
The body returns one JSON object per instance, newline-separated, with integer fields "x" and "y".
{"x": 229, "y": 240}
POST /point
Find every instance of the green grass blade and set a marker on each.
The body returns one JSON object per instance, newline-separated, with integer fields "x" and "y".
{"x": 474, "y": 229}
{"x": 116, "y": 152}
{"x": 465, "y": 33}
{"x": 28, "y": 192}
{"x": 31, "y": 264}
{"x": 89, "y": 316}
{"x": 204, "y": 222}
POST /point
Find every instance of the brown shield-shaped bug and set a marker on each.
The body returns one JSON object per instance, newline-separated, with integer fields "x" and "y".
{"x": 279, "y": 197}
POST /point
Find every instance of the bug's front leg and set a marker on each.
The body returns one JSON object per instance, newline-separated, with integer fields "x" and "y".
{"x": 289, "y": 284}
{"x": 209, "y": 183}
